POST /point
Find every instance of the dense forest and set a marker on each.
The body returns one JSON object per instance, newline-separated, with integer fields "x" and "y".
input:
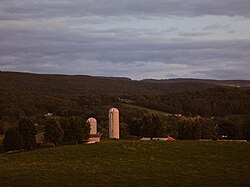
{"x": 34, "y": 95}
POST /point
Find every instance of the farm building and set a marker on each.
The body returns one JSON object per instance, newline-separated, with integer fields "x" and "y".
{"x": 114, "y": 123}
{"x": 93, "y": 125}
{"x": 40, "y": 138}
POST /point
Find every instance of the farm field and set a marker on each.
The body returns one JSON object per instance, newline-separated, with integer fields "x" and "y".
{"x": 130, "y": 163}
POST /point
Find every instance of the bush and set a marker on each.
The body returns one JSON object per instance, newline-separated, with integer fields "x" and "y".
{"x": 246, "y": 129}
{"x": 149, "y": 125}
{"x": 53, "y": 131}
{"x": 207, "y": 129}
{"x": 75, "y": 129}
{"x": 188, "y": 129}
{"x": 12, "y": 140}
{"x": 27, "y": 131}
{"x": 1, "y": 129}
{"x": 228, "y": 128}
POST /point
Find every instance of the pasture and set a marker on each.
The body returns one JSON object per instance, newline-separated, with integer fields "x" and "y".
{"x": 130, "y": 163}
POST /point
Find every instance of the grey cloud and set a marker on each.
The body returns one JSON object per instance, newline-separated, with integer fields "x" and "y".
{"x": 171, "y": 30}
{"x": 58, "y": 43}
{"x": 16, "y": 9}
{"x": 120, "y": 54}
{"x": 231, "y": 31}
{"x": 222, "y": 74}
{"x": 194, "y": 34}
{"x": 217, "y": 27}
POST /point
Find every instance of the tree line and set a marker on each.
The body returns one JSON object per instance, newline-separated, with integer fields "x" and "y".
{"x": 188, "y": 128}
{"x": 71, "y": 130}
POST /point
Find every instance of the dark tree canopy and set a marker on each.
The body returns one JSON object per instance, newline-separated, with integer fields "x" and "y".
{"x": 149, "y": 125}
{"x": 228, "y": 129}
{"x": 75, "y": 129}
{"x": 12, "y": 140}
{"x": 28, "y": 131}
{"x": 207, "y": 129}
{"x": 246, "y": 130}
{"x": 188, "y": 129}
{"x": 1, "y": 129}
{"x": 53, "y": 131}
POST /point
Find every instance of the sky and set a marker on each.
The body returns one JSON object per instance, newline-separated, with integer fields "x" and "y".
{"x": 139, "y": 39}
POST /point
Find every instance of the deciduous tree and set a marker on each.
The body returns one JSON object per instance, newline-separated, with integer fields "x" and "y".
{"x": 27, "y": 131}
{"x": 75, "y": 129}
{"x": 53, "y": 131}
{"x": 12, "y": 140}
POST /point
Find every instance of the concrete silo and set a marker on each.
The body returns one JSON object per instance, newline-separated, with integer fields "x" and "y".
{"x": 114, "y": 123}
{"x": 93, "y": 125}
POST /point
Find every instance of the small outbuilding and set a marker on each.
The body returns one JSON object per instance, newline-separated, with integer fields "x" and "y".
{"x": 40, "y": 138}
{"x": 94, "y": 138}
{"x": 170, "y": 139}
{"x": 145, "y": 139}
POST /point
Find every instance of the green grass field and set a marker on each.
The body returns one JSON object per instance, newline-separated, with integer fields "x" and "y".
{"x": 130, "y": 163}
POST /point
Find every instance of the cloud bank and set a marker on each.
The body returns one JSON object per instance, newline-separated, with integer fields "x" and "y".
{"x": 137, "y": 39}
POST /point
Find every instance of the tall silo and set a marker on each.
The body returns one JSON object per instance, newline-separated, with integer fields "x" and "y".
{"x": 93, "y": 125}
{"x": 114, "y": 123}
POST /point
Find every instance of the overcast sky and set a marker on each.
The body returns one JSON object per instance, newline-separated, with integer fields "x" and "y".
{"x": 138, "y": 39}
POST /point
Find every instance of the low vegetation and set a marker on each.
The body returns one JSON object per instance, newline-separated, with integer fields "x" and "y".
{"x": 130, "y": 163}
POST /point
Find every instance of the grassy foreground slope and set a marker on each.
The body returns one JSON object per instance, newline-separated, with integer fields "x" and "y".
{"x": 130, "y": 163}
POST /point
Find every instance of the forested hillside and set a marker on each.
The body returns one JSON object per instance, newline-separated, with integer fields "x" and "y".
{"x": 34, "y": 95}
{"x": 217, "y": 101}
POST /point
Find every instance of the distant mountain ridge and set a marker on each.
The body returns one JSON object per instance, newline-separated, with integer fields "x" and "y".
{"x": 75, "y": 84}
{"x": 34, "y": 95}
{"x": 232, "y": 83}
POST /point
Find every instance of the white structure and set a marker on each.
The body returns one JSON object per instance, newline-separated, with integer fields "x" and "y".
{"x": 114, "y": 123}
{"x": 93, "y": 125}
{"x": 145, "y": 139}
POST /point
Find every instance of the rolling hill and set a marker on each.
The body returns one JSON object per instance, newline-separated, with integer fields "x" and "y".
{"x": 33, "y": 95}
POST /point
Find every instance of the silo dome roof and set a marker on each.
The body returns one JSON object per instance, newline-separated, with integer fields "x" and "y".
{"x": 112, "y": 110}
{"x": 91, "y": 120}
